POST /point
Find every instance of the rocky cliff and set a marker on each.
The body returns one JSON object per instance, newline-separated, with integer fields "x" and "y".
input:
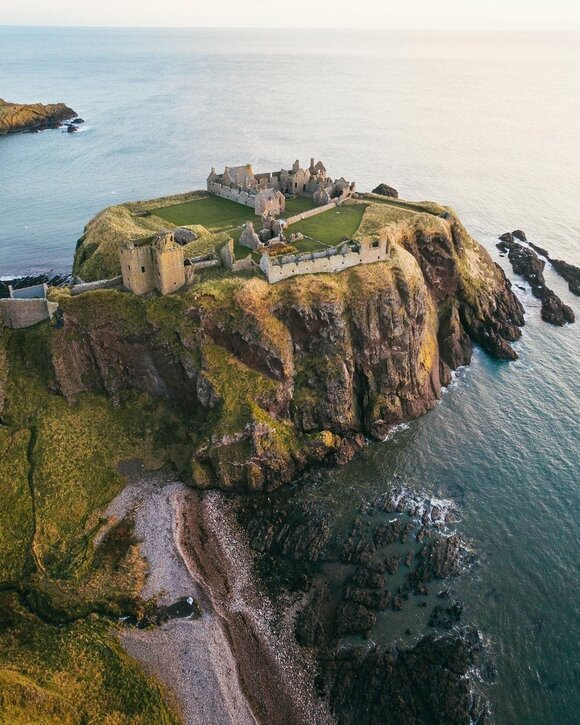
{"x": 22, "y": 117}
{"x": 272, "y": 379}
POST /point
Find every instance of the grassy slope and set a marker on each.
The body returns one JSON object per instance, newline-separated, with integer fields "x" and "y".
{"x": 56, "y": 472}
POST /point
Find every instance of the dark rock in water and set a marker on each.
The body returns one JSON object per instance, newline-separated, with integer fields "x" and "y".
{"x": 386, "y": 190}
{"x": 540, "y": 250}
{"x": 445, "y": 617}
{"x": 371, "y": 598}
{"x": 568, "y": 271}
{"x": 387, "y": 532}
{"x": 70, "y": 128}
{"x": 438, "y": 559}
{"x": 526, "y": 263}
{"x": 354, "y": 618}
{"x": 506, "y": 237}
{"x": 366, "y": 578}
{"x": 299, "y": 533}
{"x": 78, "y": 120}
{"x": 392, "y": 564}
{"x": 425, "y": 684}
{"x": 359, "y": 547}
{"x": 554, "y": 310}
{"x": 519, "y": 234}
{"x": 310, "y": 628}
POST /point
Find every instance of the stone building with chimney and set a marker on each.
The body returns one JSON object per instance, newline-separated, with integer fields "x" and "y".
{"x": 240, "y": 184}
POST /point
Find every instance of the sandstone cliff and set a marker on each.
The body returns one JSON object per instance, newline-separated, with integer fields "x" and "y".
{"x": 271, "y": 379}
{"x": 21, "y": 117}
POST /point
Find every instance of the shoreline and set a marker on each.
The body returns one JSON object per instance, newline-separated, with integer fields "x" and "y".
{"x": 228, "y": 666}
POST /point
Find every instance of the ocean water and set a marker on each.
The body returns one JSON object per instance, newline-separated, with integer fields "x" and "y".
{"x": 486, "y": 123}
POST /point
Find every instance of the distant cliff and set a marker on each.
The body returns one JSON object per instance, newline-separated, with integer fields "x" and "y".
{"x": 21, "y": 117}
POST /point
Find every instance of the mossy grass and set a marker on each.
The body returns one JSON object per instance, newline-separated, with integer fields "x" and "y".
{"x": 331, "y": 226}
{"x": 74, "y": 673}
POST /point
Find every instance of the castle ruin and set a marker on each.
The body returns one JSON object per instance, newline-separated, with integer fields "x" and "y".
{"x": 266, "y": 192}
{"x": 158, "y": 265}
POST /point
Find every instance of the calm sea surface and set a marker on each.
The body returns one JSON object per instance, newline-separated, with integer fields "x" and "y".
{"x": 486, "y": 123}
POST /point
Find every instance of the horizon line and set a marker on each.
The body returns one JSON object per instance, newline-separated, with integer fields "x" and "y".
{"x": 295, "y": 27}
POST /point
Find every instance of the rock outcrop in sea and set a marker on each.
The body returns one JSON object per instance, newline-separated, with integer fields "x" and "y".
{"x": 526, "y": 263}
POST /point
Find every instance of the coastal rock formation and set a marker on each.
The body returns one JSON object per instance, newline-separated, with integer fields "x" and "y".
{"x": 526, "y": 263}
{"x": 569, "y": 272}
{"x": 274, "y": 379}
{"x": 386, "y": 190}
{"x": 21, "y": 117}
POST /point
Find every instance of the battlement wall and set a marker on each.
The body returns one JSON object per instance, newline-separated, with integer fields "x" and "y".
{"x": 331, "y": 260}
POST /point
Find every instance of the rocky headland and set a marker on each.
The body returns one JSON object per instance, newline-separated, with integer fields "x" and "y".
{"x": 275, "y": 378}
{"x": 31, "y": 117}
{"x": 238, "y": 385}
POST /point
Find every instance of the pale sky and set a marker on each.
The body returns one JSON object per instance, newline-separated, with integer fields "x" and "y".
{"x": 414, "y": 14}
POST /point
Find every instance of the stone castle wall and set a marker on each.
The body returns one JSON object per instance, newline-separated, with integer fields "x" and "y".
{"x": 18, "y": 313}
{"x": 112, "y": 283}
{"x": 237, "y": 195}
{"x": 331, "y": 260}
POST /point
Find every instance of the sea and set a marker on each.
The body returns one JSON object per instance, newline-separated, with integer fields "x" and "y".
{"x": 487, "y": 123}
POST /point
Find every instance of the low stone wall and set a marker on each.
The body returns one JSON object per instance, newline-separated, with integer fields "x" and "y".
{"x": 112, "y": 283}
{"x": 310, "y": 212}
{"x": 18, "y": 313}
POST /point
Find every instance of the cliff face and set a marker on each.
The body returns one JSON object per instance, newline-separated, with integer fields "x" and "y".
{"x": 271, "y": 379}
{"x": 21, "y": 117}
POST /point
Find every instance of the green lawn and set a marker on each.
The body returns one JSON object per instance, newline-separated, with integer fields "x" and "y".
{"x": 213, "y": 212}
{"x": 308, "y": 245}
{"x": 298, "y": 205}
{"x": 330, "y": 226}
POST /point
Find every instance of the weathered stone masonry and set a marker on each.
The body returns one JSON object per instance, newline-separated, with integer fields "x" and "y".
{"x": 333, "y": 259}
